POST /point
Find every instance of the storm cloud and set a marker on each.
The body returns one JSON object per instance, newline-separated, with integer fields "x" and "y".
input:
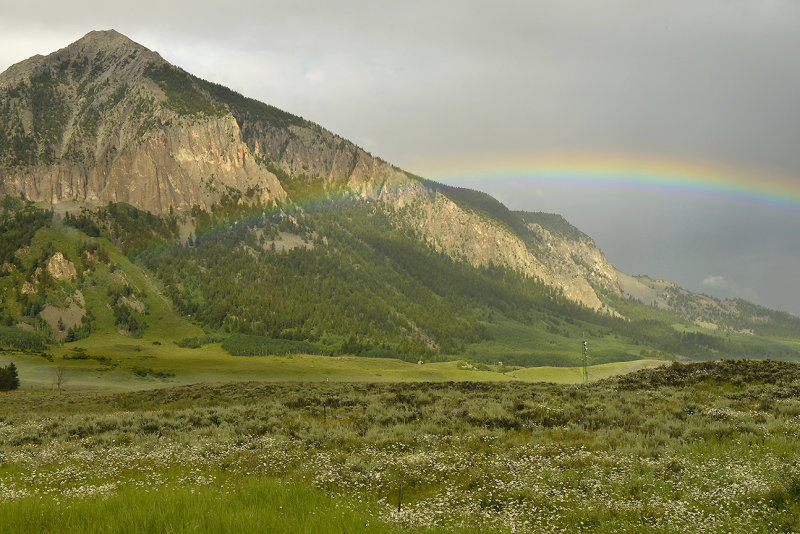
{"x": 421, "y": 83}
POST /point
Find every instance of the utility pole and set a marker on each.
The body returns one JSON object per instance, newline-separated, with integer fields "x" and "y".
{"x": 585, "y": 360}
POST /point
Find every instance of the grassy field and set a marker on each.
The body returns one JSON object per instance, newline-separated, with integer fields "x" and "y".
{"x": 115, "y": 362}
{"x": 705, "y": 447}
{"x": 248, "y": 504}
{"x": 549, "y": 341}
{"x": 574, "y": 375}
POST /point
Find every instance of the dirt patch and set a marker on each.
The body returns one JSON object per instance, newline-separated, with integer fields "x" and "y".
{"x": 133, "y": 303}
{"x": 69, "y": 317}
{"x": 640, "y": 290}
{"x": 287, "y": 241}
{"x": 185, "y": 229}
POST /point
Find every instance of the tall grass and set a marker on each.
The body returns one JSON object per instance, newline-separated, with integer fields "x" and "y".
{"x": 708, "y": 447}
{"x": 252, "y": 505}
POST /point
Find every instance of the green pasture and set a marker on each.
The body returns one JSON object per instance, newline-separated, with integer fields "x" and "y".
{"x": 255, "y": 504}
{"x": 549, "y": 341}
{"x": 111, "y": 362}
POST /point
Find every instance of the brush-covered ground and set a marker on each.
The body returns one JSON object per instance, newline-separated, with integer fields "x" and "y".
{"x": 702, "y": 447}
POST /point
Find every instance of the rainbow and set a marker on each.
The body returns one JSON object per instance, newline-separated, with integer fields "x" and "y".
{"x": 621, "y": 173}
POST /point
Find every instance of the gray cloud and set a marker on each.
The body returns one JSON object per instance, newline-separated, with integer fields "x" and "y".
{"x": 420, "y": 82}
{"x": 715, "y": 281}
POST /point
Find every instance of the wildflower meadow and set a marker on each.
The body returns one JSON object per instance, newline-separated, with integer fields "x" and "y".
{"x": 703, "y": 447}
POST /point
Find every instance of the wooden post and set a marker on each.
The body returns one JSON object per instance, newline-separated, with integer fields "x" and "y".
{"x": 585, "y": 363}
{"x": 400, "y": 499}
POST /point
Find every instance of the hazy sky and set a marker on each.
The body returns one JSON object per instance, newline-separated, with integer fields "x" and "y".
{"x": 429, "y": 85}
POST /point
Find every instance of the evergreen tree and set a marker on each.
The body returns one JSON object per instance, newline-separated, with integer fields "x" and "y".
{"x": 8, "y": 377}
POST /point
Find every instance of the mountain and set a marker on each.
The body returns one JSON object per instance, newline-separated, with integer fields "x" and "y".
{"x": 705, "y": 311}
{"x": 106, "y": 120}
{"x": 249, "y": 220}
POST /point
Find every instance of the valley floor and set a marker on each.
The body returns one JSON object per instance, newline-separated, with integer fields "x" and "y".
{"x": 705, "y": 447}
{"x": 115, "y": 363}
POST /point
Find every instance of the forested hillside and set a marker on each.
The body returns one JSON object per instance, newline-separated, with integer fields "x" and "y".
{"x": 66, "y": 277}
{"x": 335, "y": 278}
{"x": 364, "y": 279}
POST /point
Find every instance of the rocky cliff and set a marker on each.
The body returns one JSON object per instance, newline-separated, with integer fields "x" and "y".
{"x": 570, "y": 265}
{"x": 105, "y": 119}
{"x": 705, "y": 311}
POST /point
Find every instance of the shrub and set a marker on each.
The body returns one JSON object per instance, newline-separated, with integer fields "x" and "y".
{"x": 8, "y": 377}
{"x": 144, "y": 372}
{"x": 197, "y": 342}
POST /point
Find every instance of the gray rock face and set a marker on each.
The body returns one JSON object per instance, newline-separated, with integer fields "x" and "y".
{"x": 180, "y": 166}
{"x": 573, "y": 264}
{"x": 117, "y": 135}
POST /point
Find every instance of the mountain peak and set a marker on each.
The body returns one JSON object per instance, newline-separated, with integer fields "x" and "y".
{"x": 109, "y": 44}
{"x": 106, "y": 40}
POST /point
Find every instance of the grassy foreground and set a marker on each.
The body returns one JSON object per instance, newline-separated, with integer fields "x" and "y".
{"x": 248, "y": 505}
{"x": 706, "y": 447}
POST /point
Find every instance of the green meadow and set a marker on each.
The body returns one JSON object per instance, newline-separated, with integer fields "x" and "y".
{"x": 118, "y": 363}
{"x": 556, "y": 342}
{"x": 700, "y": 447}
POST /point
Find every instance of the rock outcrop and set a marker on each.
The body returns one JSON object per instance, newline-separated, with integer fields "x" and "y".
{"x": 704, "y": 310}
{"x": 573, "y": 263}
{"x": 121, "y": 125}
{"x": 60, "y": 267}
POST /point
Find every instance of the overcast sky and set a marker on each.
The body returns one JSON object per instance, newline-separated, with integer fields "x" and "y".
{"x": 427, "y": 84}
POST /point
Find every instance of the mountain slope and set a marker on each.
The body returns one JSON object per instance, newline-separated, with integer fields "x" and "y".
{"x": 268, "y": 281}
{"x": 64, "y": 285}
{"x": 255, "y": 221}
{"x": 708, "y": 312}
{"x": 107, "y": 120}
